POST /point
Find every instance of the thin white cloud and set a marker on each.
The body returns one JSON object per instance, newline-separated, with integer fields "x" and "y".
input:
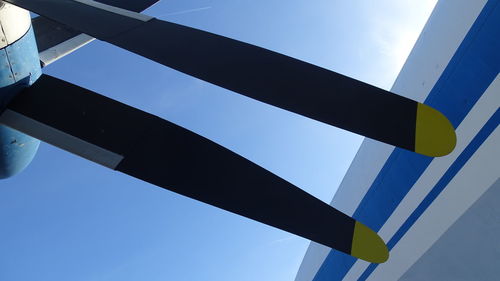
{"x": 186, "y": 11}
{"x": 283, "y": 240}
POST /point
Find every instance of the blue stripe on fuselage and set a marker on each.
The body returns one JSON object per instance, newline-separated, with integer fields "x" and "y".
{"x": 19, "y": 68}
{"x": 470, "y": 72}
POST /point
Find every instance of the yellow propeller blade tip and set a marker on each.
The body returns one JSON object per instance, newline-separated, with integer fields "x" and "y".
{"x": 434, "y": 134}
{"x": 367, "y": 245}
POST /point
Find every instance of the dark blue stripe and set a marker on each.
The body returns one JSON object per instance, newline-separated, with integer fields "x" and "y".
{"x": 483, "y": 134}
{"x": 469, "y": 73}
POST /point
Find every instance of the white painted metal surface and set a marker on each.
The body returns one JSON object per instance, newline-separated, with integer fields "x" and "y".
{"x": 67, "y": 47}
{"x": 14, "y": 23}
{"x": 60, "y": 139}
{"x": 450, "y": 259}
{"x": 478, "y": 174}
{"x": 482, "y": 111}
{"x": 444, "y": 32}
{"x": 314, "y": 257}
{"x": 115, "y": 10}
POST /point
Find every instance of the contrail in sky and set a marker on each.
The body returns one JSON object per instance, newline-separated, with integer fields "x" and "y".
{"x": 186, "y": 11}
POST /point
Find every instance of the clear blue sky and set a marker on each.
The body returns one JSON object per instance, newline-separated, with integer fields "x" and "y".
{"x": 65, "y": 218}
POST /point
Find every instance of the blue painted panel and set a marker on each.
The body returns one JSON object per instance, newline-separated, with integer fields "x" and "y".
{"x": 483, "y": 134}
{"x": 6, "y": 75}
{"x": 19, "y": 68}
{"x": 469, "y": 73}
{"x": 24, "y": 59}
{"x": 17, "y": 150}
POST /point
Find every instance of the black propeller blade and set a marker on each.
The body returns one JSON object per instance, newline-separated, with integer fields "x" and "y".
{"x": 159, "y": 152}
{"x": 261, "y": 74}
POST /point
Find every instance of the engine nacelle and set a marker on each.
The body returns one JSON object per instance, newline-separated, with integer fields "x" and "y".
{"x": 19, "y": 68}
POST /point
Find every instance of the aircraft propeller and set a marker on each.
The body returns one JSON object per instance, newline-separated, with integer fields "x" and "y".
{"x": 112, "y": 134}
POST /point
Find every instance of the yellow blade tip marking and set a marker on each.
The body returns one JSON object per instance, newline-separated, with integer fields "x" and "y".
{"x": 434, "y": 134}
{"x": 367, "y": 245}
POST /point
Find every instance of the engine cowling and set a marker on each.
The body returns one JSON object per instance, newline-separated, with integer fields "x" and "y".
{"x": 19, "y": 68}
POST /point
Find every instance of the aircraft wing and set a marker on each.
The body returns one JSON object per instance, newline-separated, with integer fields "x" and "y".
{"x": 56, "y": 40}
